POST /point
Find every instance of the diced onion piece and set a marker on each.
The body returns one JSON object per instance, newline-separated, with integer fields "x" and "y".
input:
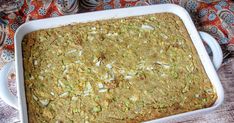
{"x": 60, "y": 84}
{"x": 71, "y": 51}
{"x": 34, "y": 97}
{"x": 109, "y": 66}
{"x": 49, "y": 65}
{"x": 74, "y": 98}
{"x": 41, "y": 77}
{"x": 31, "y": 78}
{"x": 44, "y": 102}
{"x": 52, "y": 93}
{"x": 100, "y": 85}
{"x": 88, "y": 89}
{"x": 80, "y": 53}
{"x": 78, "y": 62}
{"x": 64, "y": 94}
{"x": 102, "y": 90}
{"x": 128, "y": 77}
{"x": 147, "y": 27}
{"x": 133, "y": 98}
{"x": 35, "y": 62}
{"x": 98, "y": 63}
{"x": 163, "y": 64}
{"x": 93, "y": 28}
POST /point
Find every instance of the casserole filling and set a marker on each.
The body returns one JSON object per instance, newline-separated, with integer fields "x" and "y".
{"x": 121, "y": 70}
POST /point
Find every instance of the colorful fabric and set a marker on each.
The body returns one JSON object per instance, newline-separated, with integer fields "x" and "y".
{"x": 213, "y": 16}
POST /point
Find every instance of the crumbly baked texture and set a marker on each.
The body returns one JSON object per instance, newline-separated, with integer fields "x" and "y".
{"x": 120, "y": 70}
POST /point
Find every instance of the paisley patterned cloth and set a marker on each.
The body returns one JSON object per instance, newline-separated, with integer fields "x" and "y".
{"x": 213, "y": 16}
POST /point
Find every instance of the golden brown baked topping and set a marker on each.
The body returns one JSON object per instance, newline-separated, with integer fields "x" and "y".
{"x": 121, "y": 70}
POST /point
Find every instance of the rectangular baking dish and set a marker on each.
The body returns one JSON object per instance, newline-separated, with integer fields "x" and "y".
{"x": 110, "y": 14}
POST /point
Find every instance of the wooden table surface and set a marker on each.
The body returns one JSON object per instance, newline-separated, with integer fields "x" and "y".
{"x": 224, "y": 114}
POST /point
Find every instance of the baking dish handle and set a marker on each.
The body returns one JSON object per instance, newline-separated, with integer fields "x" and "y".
{"x": 215, "y": 48}
{"x": 5, "y": 93}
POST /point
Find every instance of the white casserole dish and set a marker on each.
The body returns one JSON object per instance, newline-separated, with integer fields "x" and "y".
{"x": 20, "y": 102}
